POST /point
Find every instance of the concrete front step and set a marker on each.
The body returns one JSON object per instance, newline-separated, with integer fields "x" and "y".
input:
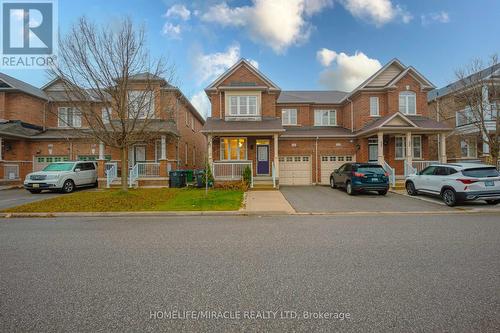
{"x": 400, "y": 185}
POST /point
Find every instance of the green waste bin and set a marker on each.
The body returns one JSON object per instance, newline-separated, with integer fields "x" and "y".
{"x": 177, "y": 179}
{"x": 189, "y": 175}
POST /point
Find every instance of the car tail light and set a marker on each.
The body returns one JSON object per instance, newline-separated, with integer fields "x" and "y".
{"x": 467, "y": 181}
{"x": 358, "y": 174}
{"x": 386, "y": 174}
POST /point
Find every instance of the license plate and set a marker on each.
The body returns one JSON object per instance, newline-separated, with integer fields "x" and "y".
{"x": 36, "y": 185}
{"x": 489, "y": 183}
{"x": 374, "y": 179}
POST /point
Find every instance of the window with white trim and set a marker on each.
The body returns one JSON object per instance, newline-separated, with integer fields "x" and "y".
{"x": 243, "y": 105}
{"x": 374, "y": 107}
{"x": 400, "y": 147}
{"x": 468, "y": 148}
{"x": 325, "y": 118}
{"x": 464, "y": 117}
{"x": 289, "y": 116}
{"x": 141, "y": 104}
{"x": 69, "y": 117}
{"x": 233, "y": 149}
{"x": 408, "y": 102}
{"x": 417, "y": 146}
{"x": 105, "y": 115}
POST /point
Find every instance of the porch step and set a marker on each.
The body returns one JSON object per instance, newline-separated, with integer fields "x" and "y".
{"x": 400, "y": 185}
{"x": 263, "y": 187}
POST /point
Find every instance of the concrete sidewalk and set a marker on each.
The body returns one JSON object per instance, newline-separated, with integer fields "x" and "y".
{"x": 266, "y": 201}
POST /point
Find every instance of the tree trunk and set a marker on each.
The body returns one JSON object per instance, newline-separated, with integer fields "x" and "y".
{"x": 124, "y": 158}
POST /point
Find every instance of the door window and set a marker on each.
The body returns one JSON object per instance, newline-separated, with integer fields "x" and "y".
{"x": 429, "y": 171}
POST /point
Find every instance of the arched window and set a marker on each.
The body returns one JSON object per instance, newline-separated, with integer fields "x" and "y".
{"x": 407, "y": 102}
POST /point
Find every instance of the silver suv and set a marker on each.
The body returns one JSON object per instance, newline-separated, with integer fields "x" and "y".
{"x": 457, "y": 182}
{"x": 62, "y": 176}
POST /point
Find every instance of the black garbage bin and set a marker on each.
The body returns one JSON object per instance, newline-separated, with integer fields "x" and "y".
{"x": 177, "y": 179}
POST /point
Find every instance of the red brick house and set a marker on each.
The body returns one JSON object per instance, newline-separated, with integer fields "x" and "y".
{"x": 300, "y": 137}
{"x": 39, "y": 126}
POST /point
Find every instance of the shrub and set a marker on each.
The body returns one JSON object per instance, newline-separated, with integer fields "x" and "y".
{"x": 232, "y": 185}
{"x": 247, "y": 175}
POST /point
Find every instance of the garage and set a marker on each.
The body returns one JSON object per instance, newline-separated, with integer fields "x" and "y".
{"x": 295, "y": 170}
{"x": 332, "y": 162}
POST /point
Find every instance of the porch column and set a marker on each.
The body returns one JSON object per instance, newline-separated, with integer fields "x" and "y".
{"x": 486, "y": 147}
{"x": 101, "y": 150}
{"x": 276, "y": 159}
{"x": 210, "y": 153}
{"x": 101, "y": 167}
{"x": 409, "y": 148}
{"x": 442, "y": 148}
{"x": 380, "y": 148}
{"x": 163, "y": 156}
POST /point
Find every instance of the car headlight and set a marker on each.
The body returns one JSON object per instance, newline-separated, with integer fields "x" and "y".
{"x": 52, "y": 177}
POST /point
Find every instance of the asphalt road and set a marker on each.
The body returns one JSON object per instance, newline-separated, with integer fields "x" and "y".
{"x": 400, "y": 273}
{"x": 327, "y": 200}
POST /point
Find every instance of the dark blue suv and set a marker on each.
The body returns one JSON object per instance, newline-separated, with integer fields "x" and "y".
{"x": 357, "y": 177}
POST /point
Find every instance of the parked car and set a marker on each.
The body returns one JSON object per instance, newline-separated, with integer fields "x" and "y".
{"x": 357, "y": 177}
{"x": 62, "y": 176}
{"x": 457, "y": 182}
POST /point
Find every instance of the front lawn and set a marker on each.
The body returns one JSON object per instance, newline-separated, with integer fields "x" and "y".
{"x": 144, "y": 199}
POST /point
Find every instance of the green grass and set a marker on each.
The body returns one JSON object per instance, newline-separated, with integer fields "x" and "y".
{"x": 154, "y": 199}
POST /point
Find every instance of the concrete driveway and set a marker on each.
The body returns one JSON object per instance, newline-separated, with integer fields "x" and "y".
{"x": 16, "y": 197}
{"x": 323, "y": 199}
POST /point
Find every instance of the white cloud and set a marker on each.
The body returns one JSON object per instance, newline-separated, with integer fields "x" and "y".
{"x": 325, "y": 56}
{"x": 276, "y": 23}
{"x": 348, "y": 71}
{"x": 172, "y": 31}
{"x": 178, "y": 11}
{"x": 209, "y": 66}
{"x": 201, "y": 102}
{"x": 378, "y": 12}
{"x": 439, "y": 17}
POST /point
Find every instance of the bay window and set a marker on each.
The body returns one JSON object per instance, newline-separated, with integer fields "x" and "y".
{"x": 408, "y": 102}
{"x": 289, "y": 116}
{"x": 233, "y": 149}
{"x": 69, "y": 117}
{"x": 400, "y": 147}
{"x": 468, "y": 147}
{"x": 243, "y": 105}
{"x": 325, "y": 118}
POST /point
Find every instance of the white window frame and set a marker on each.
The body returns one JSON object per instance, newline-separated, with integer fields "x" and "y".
{"x": 413, "y": 145}
{"x": 105, "y": 115}
{"x": 134, "y": 108}
{"x": 63, "y": 115}
{"x": 286, "y": 117}
{"x": 318, "y": 120}
{"x": 374, "y": 106}
{"x": 414, "y": 138}
{"x": 222, "y": 148}
{"x": 468, "y": 142}
{"x": 242, "y": 107}
{"x": 404, "y": 107}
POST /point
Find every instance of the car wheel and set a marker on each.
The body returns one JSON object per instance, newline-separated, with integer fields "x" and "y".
{"x": 35, "y": 191}
{"x": 383, "y": 192}
{"x": 348, "y": 188}
{"x": 332, "y": 183}
{"x": 492, "y": 202}
{"x": 68, "y": 186}
{"x": 410, "y": 189}
{"x": 449, "y": 197}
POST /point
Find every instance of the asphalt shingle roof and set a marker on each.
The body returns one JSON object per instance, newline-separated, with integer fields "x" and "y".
{"x": 313, "y": 96}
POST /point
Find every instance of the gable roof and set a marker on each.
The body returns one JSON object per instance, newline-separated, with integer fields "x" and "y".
{"x": 232, "y": 69}
{"x": 18, "y": 85}
{"x": 313, "y": 97}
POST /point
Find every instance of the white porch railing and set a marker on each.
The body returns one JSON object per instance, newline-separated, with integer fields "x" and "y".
{"x": 111, "y": 173}
{"x": 391, "y": 172}
{"x": 148, "y": 169}
{"x": 230, "y": 170}
{"x": 421, "y": 165}
{"x": 11, "y": 171}
{"x": 133, "y": 175}
{"x": 409, "y": 169}
{"x": 273, "y": 169}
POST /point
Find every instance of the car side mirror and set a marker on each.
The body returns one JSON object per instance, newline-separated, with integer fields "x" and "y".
{"x": 77, "y": 170}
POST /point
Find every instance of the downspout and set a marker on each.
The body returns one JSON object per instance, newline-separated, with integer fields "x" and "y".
{"x": 316, "y": 151}
{"x": 352, "y": 114}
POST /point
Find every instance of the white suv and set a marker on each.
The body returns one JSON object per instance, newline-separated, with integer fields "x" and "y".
{"x": 62, "y": 176}
{"x": 457, "y": 182}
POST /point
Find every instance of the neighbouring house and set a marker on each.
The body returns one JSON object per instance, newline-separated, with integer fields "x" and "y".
{"x": 39, "y": 126}
{"x": 467, "y": 141}
{"x": 300, "y": 137}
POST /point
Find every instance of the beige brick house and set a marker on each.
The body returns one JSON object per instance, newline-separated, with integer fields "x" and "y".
{"x": 300, "y": 137}
{"x": 39, "y": 126}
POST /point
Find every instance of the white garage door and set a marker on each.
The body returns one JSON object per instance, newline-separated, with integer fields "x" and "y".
{"x": 295, "y": 170}
{"x": 332, "y": 162}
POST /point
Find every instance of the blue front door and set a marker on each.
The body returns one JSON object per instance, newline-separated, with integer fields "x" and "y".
{"x": 263, "y": 159}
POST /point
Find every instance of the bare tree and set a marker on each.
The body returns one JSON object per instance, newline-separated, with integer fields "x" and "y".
{"x": 110, "y": 78}
{"x": 477, "y": 94}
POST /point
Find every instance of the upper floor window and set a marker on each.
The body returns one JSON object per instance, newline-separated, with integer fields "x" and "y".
{"x": 69, "y": 117}
{"x": 242, "y": 105}
{"x": 464, "y": 117}
{"x": 141, "y": 104}
{"x": 374, "y": 111}
{"x": 325, "y": 118}
{"x": 289, "y": 116}
{"x": 407, "y": 102}
{"x": 105, "y": 115}
{"x": 468, "y": 147}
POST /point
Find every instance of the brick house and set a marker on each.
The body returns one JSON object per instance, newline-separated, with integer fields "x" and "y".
{"x": 466, "y": 142}
{"x": 300, "y": 137}
{"x": 39, "y": 126}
